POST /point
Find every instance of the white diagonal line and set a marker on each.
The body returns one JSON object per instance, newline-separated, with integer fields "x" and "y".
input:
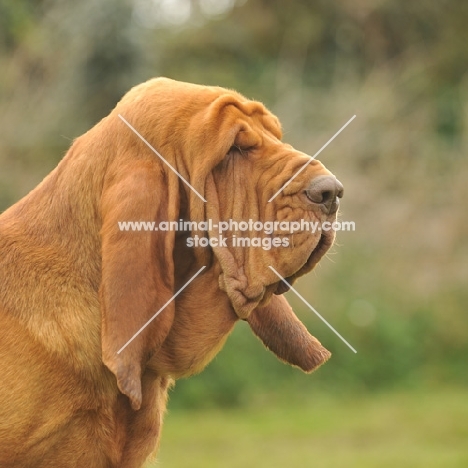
{"x": 313, "y": 157}
{"x": 161, "y": 309}
{"x": 158, "y": 154}
{"x": 312, "y": 309}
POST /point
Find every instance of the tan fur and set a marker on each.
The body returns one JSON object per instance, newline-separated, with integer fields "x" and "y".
{"x": 74, "y": 289}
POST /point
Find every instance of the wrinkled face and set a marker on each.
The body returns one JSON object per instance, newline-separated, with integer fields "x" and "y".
{"x": 265, "y": 204}
{"x": 230, "y": 150}
{"x": 272, "y": 203}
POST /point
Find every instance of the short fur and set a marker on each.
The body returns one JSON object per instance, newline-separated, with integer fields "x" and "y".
{"x": 74, "y": 289}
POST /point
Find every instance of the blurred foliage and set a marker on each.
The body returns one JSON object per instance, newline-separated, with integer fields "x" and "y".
{"x": 397, "y": 287}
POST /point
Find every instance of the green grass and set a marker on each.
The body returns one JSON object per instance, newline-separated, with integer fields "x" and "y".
{"x": 425, "y": 429}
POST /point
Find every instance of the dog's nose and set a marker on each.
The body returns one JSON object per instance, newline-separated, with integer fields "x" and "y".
{"x": 325, "y": 191}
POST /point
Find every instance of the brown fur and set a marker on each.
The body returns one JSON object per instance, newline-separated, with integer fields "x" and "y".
{"x": 74, "y": 289}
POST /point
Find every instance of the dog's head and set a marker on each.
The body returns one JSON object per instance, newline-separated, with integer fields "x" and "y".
{"x": 219, "y": 159}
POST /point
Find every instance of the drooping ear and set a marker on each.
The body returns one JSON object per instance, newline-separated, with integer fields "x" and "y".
{"x": 284, "y": 334}
{"x": 137, "y": 270}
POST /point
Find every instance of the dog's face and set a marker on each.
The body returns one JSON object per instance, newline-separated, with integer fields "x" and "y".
{"x": 224, "y": 164}
{"x": 271, "y": 226}
{"x": 229, "y": 150}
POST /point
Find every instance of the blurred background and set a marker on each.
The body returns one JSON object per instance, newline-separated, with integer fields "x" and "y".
{"x": 396, "y": 288}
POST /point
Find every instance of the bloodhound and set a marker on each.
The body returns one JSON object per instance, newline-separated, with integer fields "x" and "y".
{"x": 98, "y": 321}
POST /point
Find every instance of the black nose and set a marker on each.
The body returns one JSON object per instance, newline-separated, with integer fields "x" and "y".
{"x": 325, "y": 191}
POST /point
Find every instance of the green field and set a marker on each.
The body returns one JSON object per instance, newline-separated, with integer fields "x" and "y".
{"x": 417, "y": 429}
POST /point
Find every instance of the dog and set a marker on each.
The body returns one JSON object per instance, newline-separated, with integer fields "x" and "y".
{"x": 98, "y": 321}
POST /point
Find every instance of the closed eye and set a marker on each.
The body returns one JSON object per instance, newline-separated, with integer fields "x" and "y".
{"x": 242, "y": 151}
{"x": 234, "y": 148}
